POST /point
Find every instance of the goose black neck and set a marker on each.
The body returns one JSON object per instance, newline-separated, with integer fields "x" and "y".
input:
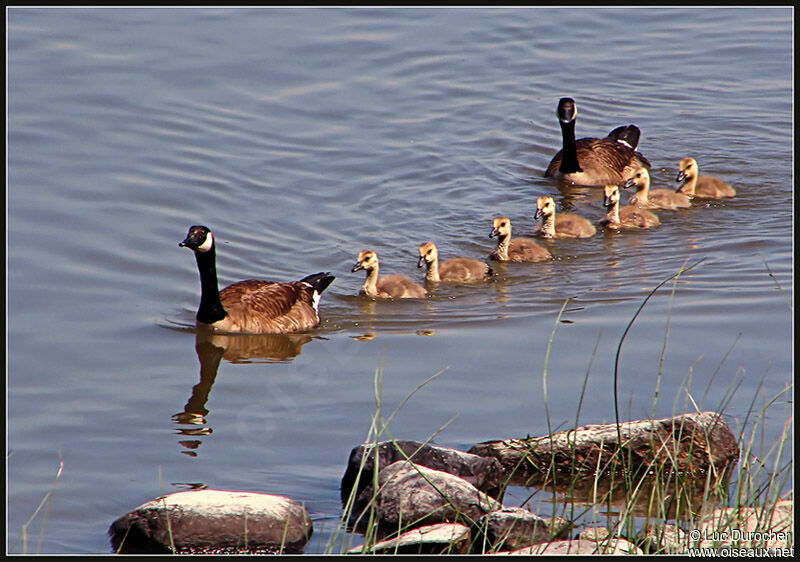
{"x": 569, "y": 152}
{"x": 211, "y": 309}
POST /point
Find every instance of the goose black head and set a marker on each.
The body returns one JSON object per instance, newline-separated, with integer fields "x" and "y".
{"x": 567, "y": 110}
{"x": 199, "y": 239}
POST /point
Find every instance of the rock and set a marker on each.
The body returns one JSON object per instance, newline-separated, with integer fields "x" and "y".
{"x": 744, "y": 527}
{"x": 579, "y": 546}
{"x": 688, "y": 444}
{"x": 749, "y": 527}
{"x": 482, "y": 472}
{"x": 213, "y": 521}
{"x": 412, "y": 496}
{"x": 664, "y": 539}
{"x": 512, "y": 528}
{"x": 595, "y": 534}
{"x": 441, "y": 538}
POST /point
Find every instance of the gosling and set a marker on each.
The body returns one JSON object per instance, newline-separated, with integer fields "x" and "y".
{"x": 647, "y": 198}
{"x": 454, "y": 270}
{"x": 701, "y": 187}
{"x": 564, "y": 225}
{"x": 394, "y": 286}
{"x": 629, "y": 216}
{"x": 517, "y": 249}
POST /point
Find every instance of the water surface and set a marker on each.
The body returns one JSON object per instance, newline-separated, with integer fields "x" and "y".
{"x": 302, "y": 136}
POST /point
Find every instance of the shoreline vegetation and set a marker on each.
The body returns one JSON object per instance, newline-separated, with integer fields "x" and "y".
{"x": 666, "y": 486}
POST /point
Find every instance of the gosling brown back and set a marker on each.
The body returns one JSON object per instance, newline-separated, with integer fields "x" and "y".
{"x": 394, "y": 286}
{"x": 653, "y": 198}
{"x": 701, "y": 187}
{"x": 514, "y": 249}
{"x": 561, "y": 225}
{"x": 627, "y": 216}
{"x": 453, "y": 270}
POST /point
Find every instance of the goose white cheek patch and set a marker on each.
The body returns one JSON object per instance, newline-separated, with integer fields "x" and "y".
{"x": 207, "y": 245}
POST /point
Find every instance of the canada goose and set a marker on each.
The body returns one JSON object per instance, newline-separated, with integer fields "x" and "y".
{"x": 628, "y": 216}
{"x": 626, "y": 134}
{"x": 252, "y": 306}
{"x": 389, "y": 286}
{"x": 702, "y": 187}
{"x": 517, "y": 249}
{"x": 563, "y": 225}
{"x": 454, "y": 270}
{"x": 653, "y": 198}
{"x": 593, "y": 161}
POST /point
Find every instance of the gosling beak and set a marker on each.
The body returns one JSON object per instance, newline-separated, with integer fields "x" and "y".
{"x": 628, "y": 184}
{"x": 537, "y": 215}
{"x": 421, "y": 261}
{"x": 681, "y": 176}
{"x": 357, "y": 266}
{"x": 607, "y": 201}
{"x": 494, "y": 232}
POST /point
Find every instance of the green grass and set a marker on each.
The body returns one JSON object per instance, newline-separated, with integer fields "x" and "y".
{"x": 633, "y": 502}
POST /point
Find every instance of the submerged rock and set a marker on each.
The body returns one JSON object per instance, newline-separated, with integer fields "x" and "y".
{"x": 441, "y": 538}
{"x": 482, "y": 472}
{"x": 412, "y": 496}
{"x": 213, "y": 521}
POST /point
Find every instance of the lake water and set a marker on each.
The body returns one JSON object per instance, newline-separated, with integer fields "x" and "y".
{"x": 302, "y": 136}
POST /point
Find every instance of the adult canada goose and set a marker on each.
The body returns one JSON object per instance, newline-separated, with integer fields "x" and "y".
{"x": 389, "y": 286}
{"x": 517, "y": 249}
{"x": 562, "y": 225}
{"x": 702, "y": 187}
{"x": 593, "y": 161}
{"x": 653, "y": 198}
{"x": 253, "y": 306}
{"x": 628, "y": 216}
{"x": 454, "y": 270}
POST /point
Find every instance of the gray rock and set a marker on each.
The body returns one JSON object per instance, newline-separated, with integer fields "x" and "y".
{"x": 484, "y": 473}
{"x": 213, "y": 521}
{"x": 441, "y": 538}
{"x": 664, "y": 539}
{"x": 512, "y": 528}
{"x": 749, "y": 527}
{"x": 686, "y": 443}
{"x": 412, "y": 496}
{"x": 595, "y": 534}
{"x": 579, "y": 546}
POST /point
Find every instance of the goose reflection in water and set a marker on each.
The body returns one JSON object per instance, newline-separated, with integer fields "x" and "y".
{"x": 211, "y": 348}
